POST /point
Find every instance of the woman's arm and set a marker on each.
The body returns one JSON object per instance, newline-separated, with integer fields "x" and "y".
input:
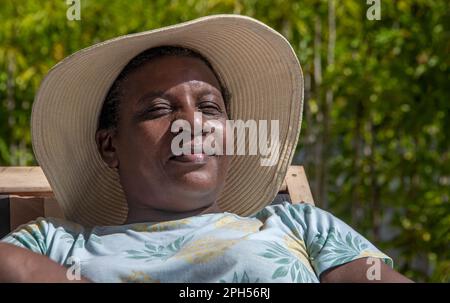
{"x": 362, "y": 271}
{"x": 21, "y": 265}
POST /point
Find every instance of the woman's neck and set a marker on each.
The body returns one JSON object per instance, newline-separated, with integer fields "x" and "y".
{"x": 149, "y": 214}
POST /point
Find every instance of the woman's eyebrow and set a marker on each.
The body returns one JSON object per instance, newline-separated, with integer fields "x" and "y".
{"x": 151, "y": 95}
{"x": 206, "y": 91}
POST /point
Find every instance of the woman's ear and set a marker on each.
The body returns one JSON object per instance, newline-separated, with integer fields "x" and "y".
{"x": 106, "y": 147}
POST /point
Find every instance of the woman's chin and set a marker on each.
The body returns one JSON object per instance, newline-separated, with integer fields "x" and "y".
{"x": 197, "y": 181}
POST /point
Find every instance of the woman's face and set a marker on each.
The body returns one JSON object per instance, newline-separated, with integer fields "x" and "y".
{"x": 155, "y": 95}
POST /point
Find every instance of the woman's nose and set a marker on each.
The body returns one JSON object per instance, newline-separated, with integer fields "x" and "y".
{"x": 194, "y": 118}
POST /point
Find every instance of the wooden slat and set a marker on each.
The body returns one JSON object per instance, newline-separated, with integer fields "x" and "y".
{"x": 24, "y": 181}
{"x": 297, "y": 185}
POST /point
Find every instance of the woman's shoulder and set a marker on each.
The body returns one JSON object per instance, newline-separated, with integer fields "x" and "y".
{"x": 37, "y": 234}
{"x": 59, "y": 224}
{"x": 44, "y": 227}
{"x": 286, "y": 208}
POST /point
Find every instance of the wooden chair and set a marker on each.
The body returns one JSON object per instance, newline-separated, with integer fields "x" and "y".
{"x": 25, "y": 194}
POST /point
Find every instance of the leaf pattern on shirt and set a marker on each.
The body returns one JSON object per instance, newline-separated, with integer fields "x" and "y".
{"x": 244, "y": 279}
{"x": 162, "y": 252}
{"x": 76, "y": 240}
{"x": 138, "y": 277}
{"x": 245, "y": 225}
{"x": 31, "y": 237}
{"x": 337, "y": 248}
{"x": 161, "y": 226}
{"x": 25, "y": 240}
{"x": 205, "y": 249}
{"x": 290, "y": 259}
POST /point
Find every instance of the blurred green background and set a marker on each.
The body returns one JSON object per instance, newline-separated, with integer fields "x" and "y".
{"x": 375, "y": 135}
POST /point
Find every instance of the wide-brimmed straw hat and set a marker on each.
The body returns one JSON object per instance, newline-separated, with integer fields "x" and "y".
{"x": 256, "y": 64}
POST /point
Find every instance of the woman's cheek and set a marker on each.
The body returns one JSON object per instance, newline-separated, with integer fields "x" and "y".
{"x": 215, "y": 141}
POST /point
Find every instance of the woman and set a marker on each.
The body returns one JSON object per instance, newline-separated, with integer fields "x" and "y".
{"x": 137, "y": 211}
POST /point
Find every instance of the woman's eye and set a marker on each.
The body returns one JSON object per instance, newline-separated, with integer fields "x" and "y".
{"x": 157, "y": 111}
{"x": 210, "y": 108}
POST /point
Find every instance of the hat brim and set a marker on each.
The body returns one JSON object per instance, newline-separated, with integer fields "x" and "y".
{"x": 257, "y": 65}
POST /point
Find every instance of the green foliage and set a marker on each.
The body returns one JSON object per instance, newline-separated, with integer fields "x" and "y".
{"x": 381, "y": 161}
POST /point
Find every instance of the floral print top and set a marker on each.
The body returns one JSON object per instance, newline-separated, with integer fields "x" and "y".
{"x": 281, "y": 243}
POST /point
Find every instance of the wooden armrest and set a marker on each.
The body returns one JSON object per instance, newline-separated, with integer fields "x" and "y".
{"x": 24, "y": 181}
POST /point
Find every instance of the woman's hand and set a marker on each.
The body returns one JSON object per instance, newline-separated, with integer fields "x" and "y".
{"x": 363, "y": 271}
{"x": 21, "y": 265}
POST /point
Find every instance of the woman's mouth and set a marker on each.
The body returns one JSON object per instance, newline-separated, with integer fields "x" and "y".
{"x": 190, "y": 159}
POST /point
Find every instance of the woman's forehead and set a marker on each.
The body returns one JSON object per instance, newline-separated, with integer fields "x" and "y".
{"x": 165, "y": 72}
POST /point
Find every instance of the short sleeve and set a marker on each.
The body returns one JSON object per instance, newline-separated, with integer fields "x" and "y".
{"x": 32, "y": 236}
{"x": 329, "y": 241}
{"x": 53, "y": 237}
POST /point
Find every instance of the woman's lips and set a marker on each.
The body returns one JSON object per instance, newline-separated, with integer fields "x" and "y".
{"x": 190, "y": 158}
